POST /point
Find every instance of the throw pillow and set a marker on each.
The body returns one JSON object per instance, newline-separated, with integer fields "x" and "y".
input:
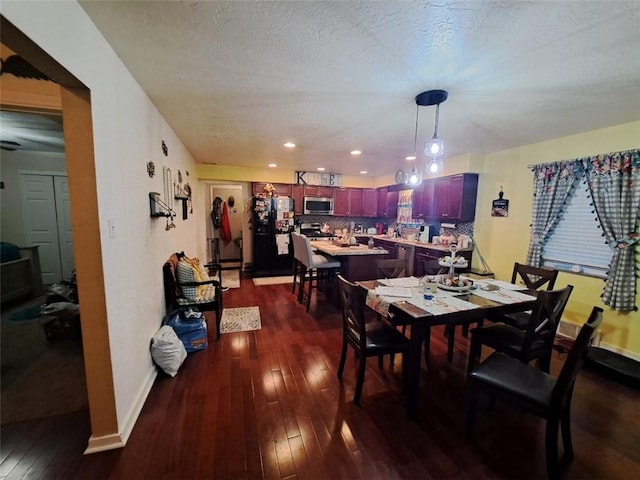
{"x": 186, "y": 273}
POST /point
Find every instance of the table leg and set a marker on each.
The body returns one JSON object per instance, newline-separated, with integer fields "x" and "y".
{"x": 412, "y": 372}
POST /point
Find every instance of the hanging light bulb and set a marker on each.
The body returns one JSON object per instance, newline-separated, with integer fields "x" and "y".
{"x": 435, "y": 146}
{"x": 435, "y": 165}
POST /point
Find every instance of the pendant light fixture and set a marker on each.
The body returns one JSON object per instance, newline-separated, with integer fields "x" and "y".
{"x": 434, "y": 147}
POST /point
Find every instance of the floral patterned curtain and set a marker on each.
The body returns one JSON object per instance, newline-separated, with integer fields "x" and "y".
{"x": 553, "y": 184}
{"x": 614, "y": 184}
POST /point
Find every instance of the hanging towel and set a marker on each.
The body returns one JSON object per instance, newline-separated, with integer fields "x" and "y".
{"x": 225, "y": 229}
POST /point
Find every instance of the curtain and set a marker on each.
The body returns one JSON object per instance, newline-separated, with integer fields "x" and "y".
{"x": 614, "y": 184}
{"x": 553, "y": 184}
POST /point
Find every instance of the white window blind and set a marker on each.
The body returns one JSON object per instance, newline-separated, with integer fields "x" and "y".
{"x": 577, "y": 244}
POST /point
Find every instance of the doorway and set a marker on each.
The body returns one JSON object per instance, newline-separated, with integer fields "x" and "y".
{"x": 229, "y": 198}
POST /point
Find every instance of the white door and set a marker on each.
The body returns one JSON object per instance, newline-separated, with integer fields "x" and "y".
{"x": 47, "y": 223}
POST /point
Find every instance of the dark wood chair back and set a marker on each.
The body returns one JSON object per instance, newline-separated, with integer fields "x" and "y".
{"x": 544, "y": 321}
{"x": 534, "y": 277}
{"x": 353, "y": 320}
{"x": 391, "y": 267}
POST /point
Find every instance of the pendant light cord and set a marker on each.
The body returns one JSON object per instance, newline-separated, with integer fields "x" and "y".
{"x": 435, "y": 131}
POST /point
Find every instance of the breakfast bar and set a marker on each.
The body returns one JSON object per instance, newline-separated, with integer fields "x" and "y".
{"x": 358, "y": 262}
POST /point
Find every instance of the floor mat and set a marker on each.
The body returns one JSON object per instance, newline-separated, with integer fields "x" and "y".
{"x": 26, "y": 314}
{"x": 273, "y": 280}
{"x": 231, "y": 278}
{"x": 241, "y": 319}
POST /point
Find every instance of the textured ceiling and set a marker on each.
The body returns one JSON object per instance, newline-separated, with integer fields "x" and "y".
{"x": 235, "y": 80}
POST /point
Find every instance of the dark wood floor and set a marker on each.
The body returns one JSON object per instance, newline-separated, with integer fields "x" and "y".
{"x": 267, "y": 404}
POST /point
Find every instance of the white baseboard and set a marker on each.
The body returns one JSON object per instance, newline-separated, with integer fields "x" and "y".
{"x": 119, "y": 440}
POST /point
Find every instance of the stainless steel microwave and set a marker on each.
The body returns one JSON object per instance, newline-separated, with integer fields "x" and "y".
{"x": 318, "y": 206}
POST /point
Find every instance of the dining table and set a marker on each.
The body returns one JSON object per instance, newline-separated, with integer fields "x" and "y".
{"x": 402, "y": 302}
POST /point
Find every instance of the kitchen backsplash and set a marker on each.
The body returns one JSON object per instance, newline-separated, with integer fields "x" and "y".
{"x": 338, "y": 223}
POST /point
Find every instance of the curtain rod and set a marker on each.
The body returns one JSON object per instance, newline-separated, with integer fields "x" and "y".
{"x": 583, "y": 158}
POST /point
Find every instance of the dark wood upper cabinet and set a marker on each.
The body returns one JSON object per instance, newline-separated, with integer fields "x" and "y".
{"x": 347, "y": 202}
{"x": 297, "y": 193}
{"x": 382, "y": 193}
{"x": 318, "y": 191}
{"x": 392, "y": 204}
{"x": 369, "y": 202}
{"x": 455, "y": 197}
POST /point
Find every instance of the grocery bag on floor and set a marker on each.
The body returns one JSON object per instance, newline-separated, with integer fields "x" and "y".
{"x": 167, "y": 350}
{"x": 190, "y": 326}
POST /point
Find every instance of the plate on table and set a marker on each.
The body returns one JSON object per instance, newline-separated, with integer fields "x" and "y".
{"x": 451, "y": 288}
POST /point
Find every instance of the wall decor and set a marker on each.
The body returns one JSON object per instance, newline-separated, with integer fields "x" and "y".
{"x": 165, "y": 149}
{"x": 500, "y": 206}
{"x": 151, "y": 169}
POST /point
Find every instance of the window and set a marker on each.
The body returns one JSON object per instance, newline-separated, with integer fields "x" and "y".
{"x": 577, "y": 244}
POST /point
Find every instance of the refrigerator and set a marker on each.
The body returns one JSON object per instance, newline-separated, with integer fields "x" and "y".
{"x": 272, "y": 222}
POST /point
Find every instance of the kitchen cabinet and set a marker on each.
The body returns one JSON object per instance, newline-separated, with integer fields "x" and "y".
{"x": 392, "y": 204}
{"x": 347, "y": 202}
{"x": 318, "y": 191}
{"x": 282, "y": 189}
{"x": 387, "y": 245}
{"x": 423, "y": 200}
{"x": 297, "y": 193}
{"x": 369, "y": 202}
{"x": 455, "y": 197}
{"x": 382, "y": 193}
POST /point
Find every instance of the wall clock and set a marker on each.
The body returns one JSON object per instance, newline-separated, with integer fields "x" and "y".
{"x": 399, "y": 176}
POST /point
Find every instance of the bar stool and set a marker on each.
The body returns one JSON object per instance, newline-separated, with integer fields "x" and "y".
{"x": 299, "y": 269}
{"x": 317, "y": 269}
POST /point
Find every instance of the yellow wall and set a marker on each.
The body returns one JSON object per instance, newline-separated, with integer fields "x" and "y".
{"x": 505, "y": 240}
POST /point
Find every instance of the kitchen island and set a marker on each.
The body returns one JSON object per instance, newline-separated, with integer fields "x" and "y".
{"x": 358, "y": 262}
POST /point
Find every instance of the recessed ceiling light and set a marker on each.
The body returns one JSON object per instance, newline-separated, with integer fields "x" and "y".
{"x": 363, "y": 171}
{"x": 410, "y": 157}
{"x": 321, "y": 169}
{"x": 290, "y": 145}
{"x": 356, "y": 152}
{"x": 273, "y": 165}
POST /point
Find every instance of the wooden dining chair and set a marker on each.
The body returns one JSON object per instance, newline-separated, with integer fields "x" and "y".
{"x": 504, "y": 377}
{"x": 533, "y": 343}
{"x": 534, "y": 278}
{"x": 368, "y": 339}
{"x": 391, "y": 267}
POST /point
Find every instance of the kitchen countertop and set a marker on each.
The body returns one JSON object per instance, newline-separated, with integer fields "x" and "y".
{"x": 336, "y": 251}
{"x": 403, "y": 241}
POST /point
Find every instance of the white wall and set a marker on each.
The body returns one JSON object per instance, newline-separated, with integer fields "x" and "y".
{"x": 127, "y": 133}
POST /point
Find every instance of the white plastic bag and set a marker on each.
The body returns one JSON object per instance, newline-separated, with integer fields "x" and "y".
{"x": 167, "y": 350}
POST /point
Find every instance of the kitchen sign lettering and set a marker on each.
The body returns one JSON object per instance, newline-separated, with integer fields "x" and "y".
{"x": 315, "y": 178}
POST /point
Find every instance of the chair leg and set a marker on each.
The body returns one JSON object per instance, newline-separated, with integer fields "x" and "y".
{"x": 303, "y": 279}
{"x": 296, "y": 269}
{"x": 465, "y": 330}
{"x": 343, "y": 357}
{"x": 565, "y": 423}
{"x": 545, "y": 362}
{"x": 362, "y": 363}
{"x": 381, "y": 361}
{"x": 551, "y": 447}
{"x": 475, "y": 349}
{"x": 312, "y": 277}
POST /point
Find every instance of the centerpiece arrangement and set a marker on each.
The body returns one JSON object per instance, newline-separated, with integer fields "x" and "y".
{"x": 452, "y": 281}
